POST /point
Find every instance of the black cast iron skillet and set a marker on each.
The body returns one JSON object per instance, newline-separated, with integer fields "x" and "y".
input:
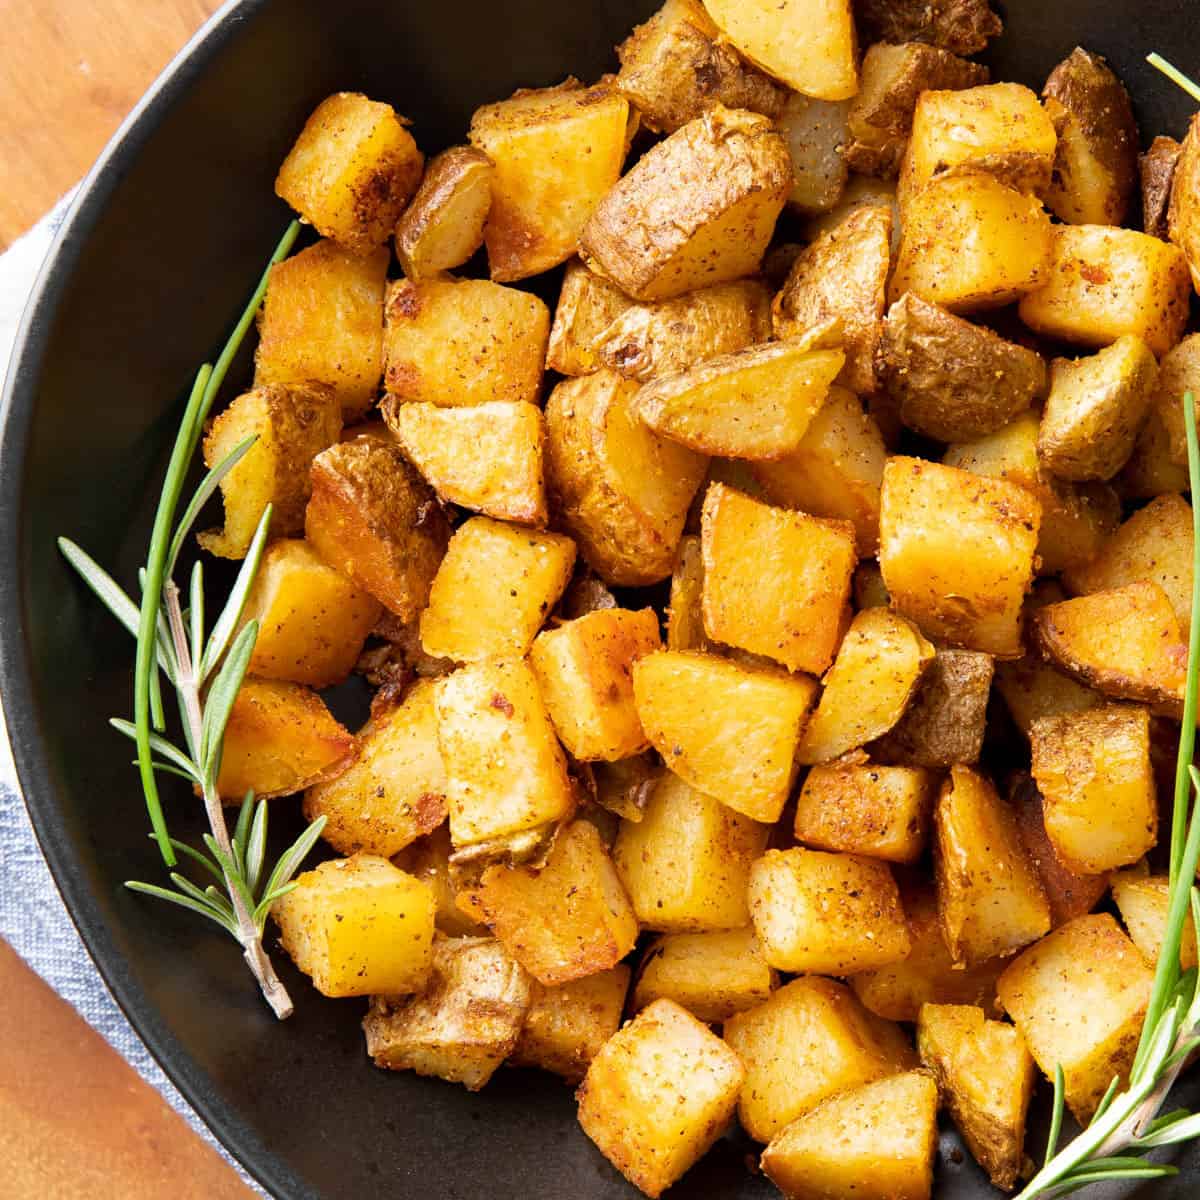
{"x": 157, "y": 255}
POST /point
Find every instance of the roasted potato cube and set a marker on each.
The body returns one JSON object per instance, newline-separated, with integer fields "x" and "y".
{"x": 359, "y": 926}
{"x": 280, "y": 739}
{"x": 986, "y": 1075}
{"x": 621, "y": 491}
{"x": 1143, "y": 901}
{"x": 816, "y": 136}
{"x": 587, "y": 305}
{"x": 292, "y": 424}
{"x": 810, "y": 1040}
{"x": 1104, "y": 283}
{"x": 961, "y": 26}
{"x": 874, "y": 1142}
{"x": 466, "y": 1022}
{"x": 697, "y": 209}
{"x": 990, "y": 899}
{"x": 321, "y": 322}
{"x": 1151, "y": 469}
{"x": 954, "y": 381}
{"x": 428, "y": 859}
{"x": 957, "y": 553}
{"x": 712, "y": 975}
{"x": 1183, "y": 216}
{"x": 1078, "y": 998}
{"x": 658, "y": 1094}
{"x": 585, "y": 670}
{"x": 1156, "y": 169}
{"x": 513, "y": 577}
{"x": 1178, "y": 374}
{"x": 556, "y": 152}
{"x": 567, "y": 1025}
{"x": 861, "y": 191}
{"x": 970, "y": 242}
{"x": 505, "y": 771}
{"x": 827, "y": 914}
{"x": 352, "y": 171}
{"x": 443, "y": 226}
{"x": 685, "y": 610}
{"x": 686, "y": 863}
{"x": 373, "y": 518}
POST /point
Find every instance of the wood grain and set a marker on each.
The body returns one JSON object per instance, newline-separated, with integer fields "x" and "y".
{"x": 70, "y": 70}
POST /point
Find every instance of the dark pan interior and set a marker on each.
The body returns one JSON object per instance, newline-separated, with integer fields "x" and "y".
{"x": 157, "y": 257}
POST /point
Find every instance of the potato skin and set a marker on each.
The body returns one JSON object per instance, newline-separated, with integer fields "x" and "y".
{"x": 817, "y": 139}
{"x": 960, "y": 26}
{"x": 1157, "y": 171}
{"x": 1183, "y": 217}
{"x": 443, "y": 225}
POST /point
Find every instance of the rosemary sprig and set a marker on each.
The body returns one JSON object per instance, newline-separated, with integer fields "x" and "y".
{"x": 206, "y": 670}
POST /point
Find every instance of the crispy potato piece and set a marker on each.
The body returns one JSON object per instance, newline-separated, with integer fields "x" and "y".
{"x": 359, "y": 926}
{"x": 620, "y": 490}
{"x": 957, "y": 553}
{"x": 842, "y": 276}
{"x": 428, "y": 859}
{"x": 587, "y": 305}
{"x": 1157, "y": 171}
{"x": 685, "y": 612}
{"x": 351, "y": 171}
{"x": 373, "y": 518}
{"x": 1178, "y": 374}
{"x": 292, "y": 423}
{"x": 658, "y": 1094}
{"x": 1183, "y": 216}
{"x": 990, "y": 899}
{"x": 816, "y": 136}
{"x": 809, "y": 1041}
{"x": 280, "y": 739}
{"x": 954, "y": 380}
{"x": 986, "y": 1075}
{"x": 791, "y": 608}
{"x": 1103, "y": 283}
{"x": 556, "y": 152}
{"x": 874, "y": 1142}
{"x": 1151, "y": 469}
{"x": 861, "y": 191}
{"x": 1078, "y": 998}
{"x": 970, "y": 242}
{"x": 321, "y": 322}
{"x": 712, "y": 975}
{"x": 443, "y": 226}
{"x": 1143, "y": 902}
{"x": 505, "y": 771}
{"x": 1033, "y": 688}
{"x": 961, "y": 26}
{"x": 697, "y": 209}
{"x": 876, "y": 673}
{"x": 464, "y": 1025}
{"x": 829, "y": 914}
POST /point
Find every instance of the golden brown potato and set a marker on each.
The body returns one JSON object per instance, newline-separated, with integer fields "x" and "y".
{"x": 556, "y": 152}
{"x": 292, "y": 424}
{"x": 443, "y": 226}
{"x": 620, "y": 490}
{"x": 697, "y": 209}
{"x": 658, "y": 1094}
{"x": 1078, "y": 998}
{"x": 428, "y": 859}
{"x": 321, "y": 322}
{"x": 1179, "y": 373}
{"x": 351, "y": 171}
{"x": 961, "y": 26}
{"x": 587, "y": 305}
{"x": 1151, "y": 469}
{"x": 1183, "y": 216}
{"x": 816, "y": 136}
{"x": 373, "y": 518}
{"x": 685, "y": 609}
{"x": 1143, "y": 902}
{"x": 1157, "y": 171}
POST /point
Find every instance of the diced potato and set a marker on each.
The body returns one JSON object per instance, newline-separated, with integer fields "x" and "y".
{"x": 292, "y": 424}
{"x": 808, "y": 44}
{"x": 712, "y": 975}
{"x": 322, "y": 322}
{"x": 1104, "y": 283}
{"x": 990, "y": 899}
{"x": 877, "y": 1141}
{"x": 961, "y": 26}
{"x": 585, "y": 670}
{"x": 620, "y": 490}
{"x": 816, "y": 136}
{"x": 1151, "y": 469}
{"x": 428, "y": 859}
{"x": 1157, "y": 171}
{"x": 352, "y": 170}
{"x": 842, "y": 276}
{"x": 696, "y": 209}
{"x": 827, "y": 914}
{"x": 790, "y": 608}
{"x": 505, "y": 771}
{"x": 685, "y": 611}
{"x": 658, "y": 1094}
{"x": 556, "y": 152}
{"x": 1178, "y": 374}
{"x": 464, "y": 1025}
{"x": 986, "y": 1075}
{"x": 566, "y": 1026}
{"x": 463, "y": 341}
{"x": 809, "y": 1041}
{"x": 1078, "y": 998}
{"x": 970, "y": 242}
{"x": 373, "y": 518}
{"x": 1183, "y": 216}
{"x": 587, "y": 305}
{"x": 1143, "y": 902}
{"x": 494, "y": 590}
{"x": 359, "y": 926}
{"x": 861, "y": 191}
{"x": 280, "y": 739}
{"x": 686, "y": 863}
{"x": 443, "y": 226}
{"x": 957, "y": 553}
